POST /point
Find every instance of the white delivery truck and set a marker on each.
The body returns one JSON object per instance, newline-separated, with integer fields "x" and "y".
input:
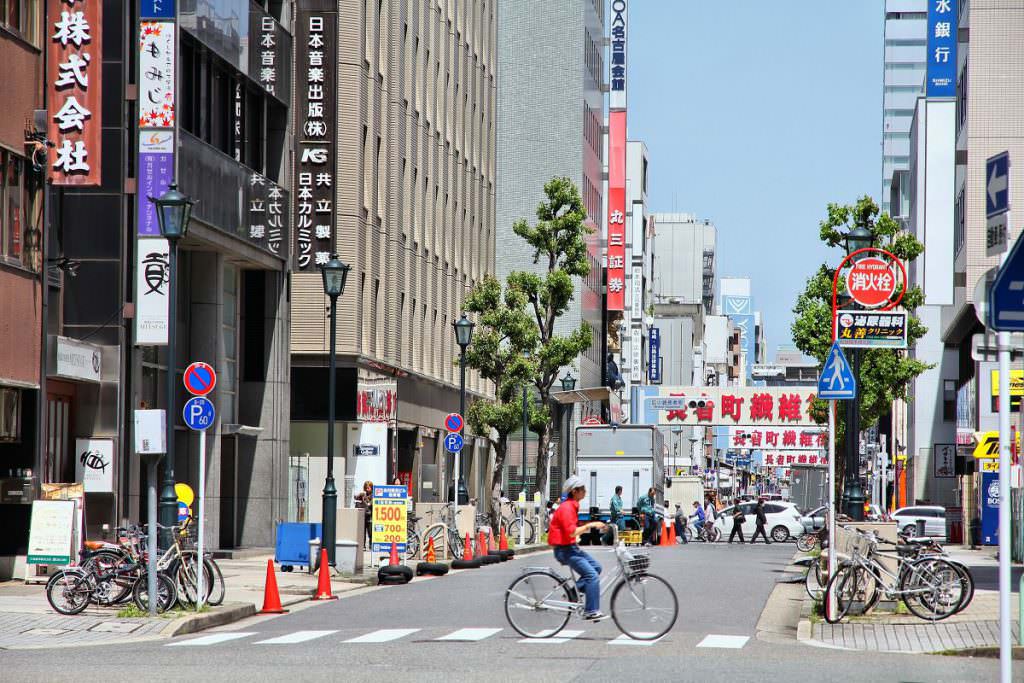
{"x": 684, "y": 490}
{"x": 629, "y": 456}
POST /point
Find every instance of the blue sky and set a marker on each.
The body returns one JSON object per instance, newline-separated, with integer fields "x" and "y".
{"x": 756, "y": 115}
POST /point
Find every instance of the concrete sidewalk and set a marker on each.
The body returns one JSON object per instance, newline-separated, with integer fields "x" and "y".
{"x": 28, "y": 621}
{"x": 973, "y": 629}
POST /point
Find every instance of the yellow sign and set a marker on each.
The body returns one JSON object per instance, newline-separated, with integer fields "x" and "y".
{"x": 990, "y": 466}
{"x": 988, "y": 445}
{"x": 1016, "y": 382}
{"x": 390, "y": 518}
{"x": 185, "y": 493}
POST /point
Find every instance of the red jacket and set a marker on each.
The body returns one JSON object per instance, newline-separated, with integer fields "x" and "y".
{"x": 564, "y": 523}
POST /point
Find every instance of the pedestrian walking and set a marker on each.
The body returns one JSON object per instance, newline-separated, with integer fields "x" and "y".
{"x": 738, "y": 518}
{"x": 680, "y": 522}
{"x": 364, "y": 500}
{"x": 760, "y": 520}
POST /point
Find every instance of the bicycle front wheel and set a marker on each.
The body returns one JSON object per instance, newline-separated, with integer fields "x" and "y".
{"x": 932, "y": 589}
{"x": 538, "y": 604}
{"x": 68, "y": 591}
{"x": 806, "y": 542}
{"x": 644, "y": 607}
{"x": 412, "y": 543}
{"x": 166, "y": 593}
{"x": 526, "y": 525}
{"x": 217, "y": 591}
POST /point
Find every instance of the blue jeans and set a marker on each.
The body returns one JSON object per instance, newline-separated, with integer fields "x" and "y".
{"x": 587, "y": 568}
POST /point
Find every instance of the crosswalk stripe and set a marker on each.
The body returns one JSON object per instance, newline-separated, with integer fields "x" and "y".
{"x": 297, "y": 637}
{"x": 562, "y": 637}
{"x": 212, "y": 639}
{"x": 730, "y": 642}
{"x": 626, "y": 640}
{"x": 384, "y": 635}
{"x": 470, "y": 634}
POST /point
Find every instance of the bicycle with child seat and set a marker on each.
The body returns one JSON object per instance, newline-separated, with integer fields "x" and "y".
{"x": 539, "y": 603}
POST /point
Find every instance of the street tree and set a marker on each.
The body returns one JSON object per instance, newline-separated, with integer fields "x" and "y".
{"x": 521, "y": 342}
{"x": 885, "y": 374}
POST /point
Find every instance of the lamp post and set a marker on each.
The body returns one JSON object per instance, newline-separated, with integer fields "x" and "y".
{"x": 334, "y": 274}
{"x": 568, "y": 384}
{"x": 857, "y": 239}
{"x": 463, "y": 337}
{"x": 173, "y": 211}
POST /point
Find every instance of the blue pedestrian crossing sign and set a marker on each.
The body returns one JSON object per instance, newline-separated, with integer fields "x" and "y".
{"x": 453, "y": 443}
{"x": 836, "y": 382}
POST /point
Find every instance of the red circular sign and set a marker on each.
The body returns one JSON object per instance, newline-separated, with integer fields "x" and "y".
{"x": 871, "y": 282}
{"x": 199, "y": 379}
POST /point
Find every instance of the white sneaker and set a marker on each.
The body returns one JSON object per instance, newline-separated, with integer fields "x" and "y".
{"x": 595, "y": 616}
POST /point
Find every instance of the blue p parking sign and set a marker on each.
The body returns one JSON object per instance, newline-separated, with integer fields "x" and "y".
{"x": 453, "y": 443}
{"x": 198, "y": 413}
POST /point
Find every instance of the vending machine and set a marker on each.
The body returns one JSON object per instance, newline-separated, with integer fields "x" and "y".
{"x": 988, "y": 504}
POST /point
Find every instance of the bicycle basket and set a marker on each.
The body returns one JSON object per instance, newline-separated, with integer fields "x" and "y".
{"x": 637, "y": 564}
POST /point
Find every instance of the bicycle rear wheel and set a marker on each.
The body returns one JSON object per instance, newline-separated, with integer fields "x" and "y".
{"x": 114, "y": 587}
{"x": 412, "y": 543}
{"x": 456, "y": 546}
{"x": 857, "y": 591}
{"x": 806, "y": 542}
{"x": 933, "y": 589}
{"x": 538, "y": 604}
{"x": 218, "y": 590}
{"x": 514, "y": 526}
{"x": 166, "y": 593}
{"x": 644, "y": 607}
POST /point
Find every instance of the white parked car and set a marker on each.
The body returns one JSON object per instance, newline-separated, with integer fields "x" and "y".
{"x": 784, "y": 520}
{"x": 934, "y": 517}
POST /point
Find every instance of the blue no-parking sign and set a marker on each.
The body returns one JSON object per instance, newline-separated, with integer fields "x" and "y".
{"x": 198, "y": 413}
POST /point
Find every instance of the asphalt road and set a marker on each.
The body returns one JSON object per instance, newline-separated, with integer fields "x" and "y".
{"x": 454, "y": 629}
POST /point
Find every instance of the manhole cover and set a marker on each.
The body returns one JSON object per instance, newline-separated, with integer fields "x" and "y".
{"x": 116, "y": 626}
{"x": 45, "y": 631}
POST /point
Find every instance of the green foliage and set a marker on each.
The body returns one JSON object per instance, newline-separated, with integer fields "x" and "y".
{"x": 515, "y": 341}
{"x": 885, "y": 374}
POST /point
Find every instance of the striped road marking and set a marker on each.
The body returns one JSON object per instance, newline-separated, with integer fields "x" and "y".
{"x": 212, "y": 639}
{"x": 470, "y": 634}
{"x": 626, "y": 640}
{"x": 384, "y": 635}
{"x": 297, "y": 637}
{"x": 562, "y": 637}
{"x": 731, "y": 642}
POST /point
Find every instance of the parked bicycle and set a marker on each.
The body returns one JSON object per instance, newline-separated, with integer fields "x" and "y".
{"x": 444, "y": 532}
{"x": 539, "y": 603}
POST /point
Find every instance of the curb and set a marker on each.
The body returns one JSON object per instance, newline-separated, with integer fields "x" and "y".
{"x": 227, "y": 614}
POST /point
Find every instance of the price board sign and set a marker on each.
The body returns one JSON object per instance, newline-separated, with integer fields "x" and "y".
{"x": 390, "y": 516}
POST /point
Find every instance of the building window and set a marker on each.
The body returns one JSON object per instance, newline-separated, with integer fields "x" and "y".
{"x": 959, "y": 213}
{"x": 961, "y": 99}
{"x": 18, "y": 208}
{"x": 10, "y": 415}
{"x": 22, "y": 17}
{"x": 949, "y": 400}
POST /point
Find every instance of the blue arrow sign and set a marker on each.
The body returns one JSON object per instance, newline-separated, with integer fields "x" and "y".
{"x": 1006, "y": 297}
{"x": 453, "y": 443}
{"x": 836, "y": 382}
{"x": 198, "y": 413}
{"x": 997, "y": 184}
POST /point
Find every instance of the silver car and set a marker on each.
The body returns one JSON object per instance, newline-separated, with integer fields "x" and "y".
{"x": 934, "y": 517}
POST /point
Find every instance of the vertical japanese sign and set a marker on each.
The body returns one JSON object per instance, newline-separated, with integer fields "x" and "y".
{"x": 157, "y": 79}
{"x": 654, "y": 358}
{"x": 940, "y": 79}
{"x": 152, "y": 276}
{"x": 616, "y": 210}
{"x": 316, "y": 118}
{"x": 617, "y": 85}
{"x": 636, "y": 353}
{"x": 268, "y": 56}
{"x": 75, "y": 90}
{"x": 266, "y": 213}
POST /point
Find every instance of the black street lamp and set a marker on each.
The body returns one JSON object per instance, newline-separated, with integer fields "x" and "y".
{"x": 334, "y": 273}
{"x": 853, "y": 491}
{"x": 463, "y": 337}
{"x": 568, "y": 384}
{"x": 173, "y": 212}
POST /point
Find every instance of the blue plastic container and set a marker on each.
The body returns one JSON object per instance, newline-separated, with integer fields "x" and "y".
{"x": 292, "y": 546}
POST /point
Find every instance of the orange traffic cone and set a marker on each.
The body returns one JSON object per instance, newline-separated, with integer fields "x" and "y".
{"x": 467, "y": 551}
{"x": 667, "y": 539}
{"x": 271, "y": 599}
{"x": 490, "y": 541}
{"x": 481, "y": 544}
{"x": 323, "y": 584}
{"x": 503, "y": 541}
{"x": 431, "y": 554}
{"x": 393, "y": 559}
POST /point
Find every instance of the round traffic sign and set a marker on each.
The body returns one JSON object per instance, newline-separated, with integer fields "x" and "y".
{"x": 198, "y": 413}
{"x": 453, "y": 422}
{"x": 184, "y": 492}
{"x": 871, "y": 282}
{"x": 184, "y": 511}
{"x": 200, "y": 379}
{"x": 453, "y": 443}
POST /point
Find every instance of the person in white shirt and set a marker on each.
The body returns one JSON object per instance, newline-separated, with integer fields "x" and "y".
{"x": 709, "y": 513}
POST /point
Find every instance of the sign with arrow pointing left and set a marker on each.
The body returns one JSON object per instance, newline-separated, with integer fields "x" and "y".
{"x": 997, "y": 203}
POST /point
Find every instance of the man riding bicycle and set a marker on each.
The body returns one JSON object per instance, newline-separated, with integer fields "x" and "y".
{"x": 563, "y": 535}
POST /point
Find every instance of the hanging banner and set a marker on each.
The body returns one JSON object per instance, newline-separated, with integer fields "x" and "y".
{"x": 316, "y": 122}
{"x": 727, "y": 406}
{"x": 778, "y": 438}
{"x": 616, "y": 280}
{"x": 156, "y": 74}
{"x": 151, "y": 303}
{"x": 155, "y": 174}
{"x": 75, "y": 45}
{"x": 777, "y": 459}
{"x": 940, "y": 77}
{"x": 617, "y": 66}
